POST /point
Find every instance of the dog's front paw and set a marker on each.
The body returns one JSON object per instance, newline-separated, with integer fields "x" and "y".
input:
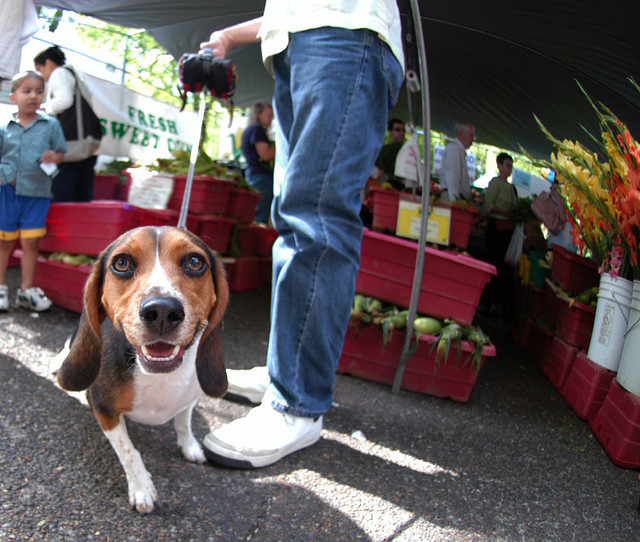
{"x": 192, "y": 451}
{"x": 142, "y": 493}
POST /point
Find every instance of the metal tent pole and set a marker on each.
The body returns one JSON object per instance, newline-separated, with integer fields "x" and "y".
{"x": 426, "y": 195}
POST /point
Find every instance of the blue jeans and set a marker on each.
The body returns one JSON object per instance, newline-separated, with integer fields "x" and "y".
{"x": 333, "y": 91}
{"x": 262, "y": 181}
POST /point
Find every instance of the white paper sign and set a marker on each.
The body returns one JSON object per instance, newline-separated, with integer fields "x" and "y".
{"x": 149, "y": 189}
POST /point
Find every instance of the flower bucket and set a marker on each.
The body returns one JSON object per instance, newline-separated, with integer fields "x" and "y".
{"x": 610, "y": 323}
{"x": 629, "y": 368}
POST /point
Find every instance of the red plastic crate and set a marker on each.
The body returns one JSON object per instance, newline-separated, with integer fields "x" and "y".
{"x": 209, "y": 195}
{"x": 121, "y": 190}
{"x": 213, "y": 230}
{"x": 104, "y": 186}
{"x": 364, "y": 356}
{"x": 521, "y": 333}
{"x": 575, "y": 322}
{"x": 451, "y": 283}
{"x": 86, "y": 228}
{"x": 385, "y": 215}
{"x": 533, "y": 300}
{"x": 617, "y": 426}
{"x": 385, "y": 209}
{"x": 558, "y": 361}
{"x": 539, "y": 341}
{"x": 265, "y": 266}
{"x": 573, "y": 272}
{"x": 242, "y": 205}
{"x": 61, "y": 282}
{"x": 244, "y": 273}
{"x": 551, "y": 305}
{"x": 156, "y": 217}
{"x": 586, "y": 386}
{"x": 247, "y": 239}
{"x": 264, "y": 240}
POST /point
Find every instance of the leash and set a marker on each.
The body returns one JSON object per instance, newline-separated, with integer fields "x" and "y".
{"x": 184, "y": 208}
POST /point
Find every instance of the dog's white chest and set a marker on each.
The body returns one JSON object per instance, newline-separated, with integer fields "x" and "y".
{"x": 159, "y": 397}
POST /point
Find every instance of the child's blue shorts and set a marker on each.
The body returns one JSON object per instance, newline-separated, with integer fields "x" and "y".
{"x": 22, "y": 216}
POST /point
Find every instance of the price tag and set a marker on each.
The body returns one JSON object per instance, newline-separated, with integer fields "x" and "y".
{"x": 410, "y": 217}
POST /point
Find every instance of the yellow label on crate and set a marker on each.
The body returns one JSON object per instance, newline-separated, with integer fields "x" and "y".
{"x": 410, "y": 216}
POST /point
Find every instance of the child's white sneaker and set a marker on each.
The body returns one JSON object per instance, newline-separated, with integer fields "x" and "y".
{"x": 4, "y": 297}
{"x": 33, "y": 299}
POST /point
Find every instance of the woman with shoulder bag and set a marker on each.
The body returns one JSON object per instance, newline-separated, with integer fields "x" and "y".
{"x": 500, "y": 198}
{"x": 74, "y": 181}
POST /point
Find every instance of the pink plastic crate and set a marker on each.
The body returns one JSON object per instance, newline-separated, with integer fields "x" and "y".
{"x": 451, "y": 283}
{"x": 61, "y": 282}
{"x": 573, "y": 272}
{"x": 242, "y": 205}
{"x": 533, "y": 300}
{"x": 575, "y": 322}
{"x": 558, "y": 361}
{"x": 213, "y": 230}
{"x": 617, "y": 426}
{"x": 104, "y": 186}
{"x": 363, "y": 356}
{"x": 86, "y": 228}
{"x": 209, "y": 195}
{"x": 586, "y": 386}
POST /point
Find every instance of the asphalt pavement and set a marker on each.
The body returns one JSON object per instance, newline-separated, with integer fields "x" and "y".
{"x": 513, "y": 463}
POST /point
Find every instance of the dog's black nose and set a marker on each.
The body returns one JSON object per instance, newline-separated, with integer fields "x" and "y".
{"x": 161, "y": 314}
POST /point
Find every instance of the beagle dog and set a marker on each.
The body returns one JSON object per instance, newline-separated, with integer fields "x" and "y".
{"x": 149, "y": 342}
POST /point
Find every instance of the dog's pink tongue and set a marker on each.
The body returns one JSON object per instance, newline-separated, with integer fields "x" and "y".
{"x": 160, "y": 349}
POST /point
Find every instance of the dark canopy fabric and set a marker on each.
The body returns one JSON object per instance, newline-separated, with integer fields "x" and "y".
{"x": 495, "y": 64}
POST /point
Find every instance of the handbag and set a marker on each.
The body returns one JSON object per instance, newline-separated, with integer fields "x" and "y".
{"x": 81, "y": 126}
{"x": 548, "y": 207}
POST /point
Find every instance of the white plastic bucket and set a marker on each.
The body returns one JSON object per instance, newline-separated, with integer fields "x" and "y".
{"x": 610, "y": 321}
{"x": 629, "y": 369}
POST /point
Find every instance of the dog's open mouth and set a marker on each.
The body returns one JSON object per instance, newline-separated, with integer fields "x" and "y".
{"x": 160, "y": 357}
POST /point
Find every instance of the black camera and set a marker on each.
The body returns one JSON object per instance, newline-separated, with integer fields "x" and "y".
{"x": 202, "y": 70}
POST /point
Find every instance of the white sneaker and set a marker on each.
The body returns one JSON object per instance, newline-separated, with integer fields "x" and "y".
{"x": 264, "y": 436}
{"x": 247, "y": 385}
{"x": 33, "y": 299}
{"x": 4, "y": 297}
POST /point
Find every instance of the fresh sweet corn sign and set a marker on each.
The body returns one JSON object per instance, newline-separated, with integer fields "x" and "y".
{"x": 410, "y": 218}
{"x": 137, "y": 126}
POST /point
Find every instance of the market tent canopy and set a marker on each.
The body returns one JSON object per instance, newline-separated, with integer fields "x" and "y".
{"x": 495, "y": 64}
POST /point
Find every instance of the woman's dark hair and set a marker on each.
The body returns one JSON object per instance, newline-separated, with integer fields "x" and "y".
{"x": 53, "y": 53}
{"x": 256, "y": 109}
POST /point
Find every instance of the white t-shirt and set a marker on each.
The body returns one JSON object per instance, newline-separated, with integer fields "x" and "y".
{"x": 282, "y": 17}
{"x": 60, "y": 91}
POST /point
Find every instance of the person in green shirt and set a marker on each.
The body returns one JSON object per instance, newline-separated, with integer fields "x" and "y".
{"x": 386, "y": 161}
{"x": 500, "y": 198}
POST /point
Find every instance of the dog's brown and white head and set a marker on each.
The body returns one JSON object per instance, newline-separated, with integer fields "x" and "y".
{"x": 167, "y": 292}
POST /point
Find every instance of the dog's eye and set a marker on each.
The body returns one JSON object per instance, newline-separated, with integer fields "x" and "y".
{"x": 123, "y": 265}
{"x": 194, "y": 264}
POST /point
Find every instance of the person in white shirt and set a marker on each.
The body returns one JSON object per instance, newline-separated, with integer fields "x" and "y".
{"x": 338, "y": 68}
{"x": 74, "y": 181}
{"x": 454, "y": 176}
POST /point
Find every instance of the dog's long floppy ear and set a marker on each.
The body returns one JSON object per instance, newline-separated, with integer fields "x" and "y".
{"x": 81, "y": 366}
{"x": 209, "y": 360}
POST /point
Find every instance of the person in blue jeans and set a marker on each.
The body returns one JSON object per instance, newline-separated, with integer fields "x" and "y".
{"x": 259, "y": 152}
{"x": 337, "y": 73}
